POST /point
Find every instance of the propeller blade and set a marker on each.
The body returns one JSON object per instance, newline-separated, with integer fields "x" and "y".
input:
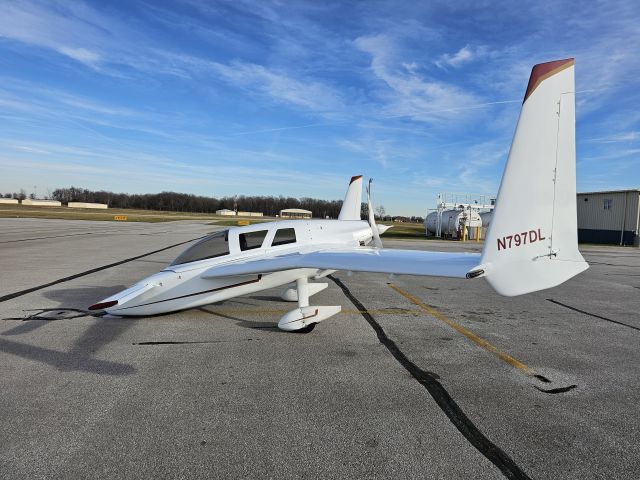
{"x": 372, "y": 221}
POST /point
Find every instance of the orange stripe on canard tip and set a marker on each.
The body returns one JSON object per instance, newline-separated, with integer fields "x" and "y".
{"x": 542, "y": 71}
{"x": 353, "y": 179}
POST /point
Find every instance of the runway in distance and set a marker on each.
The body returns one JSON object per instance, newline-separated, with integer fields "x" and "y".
{"x": 531, "y": 243}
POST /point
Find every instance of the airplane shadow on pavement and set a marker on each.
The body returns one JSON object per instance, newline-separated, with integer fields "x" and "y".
{"x": 80, "y": 357}
{"x": 242, "y": 322}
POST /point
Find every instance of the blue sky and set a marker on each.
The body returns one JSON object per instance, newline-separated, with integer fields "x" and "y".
{"x": 293, "y": 98}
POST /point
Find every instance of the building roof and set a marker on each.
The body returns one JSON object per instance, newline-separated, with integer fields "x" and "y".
{"x": 295, "y": 210}
{"x": 612, "y": 191}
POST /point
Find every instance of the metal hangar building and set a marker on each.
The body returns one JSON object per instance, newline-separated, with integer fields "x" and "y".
{"x": 609, "y": 217}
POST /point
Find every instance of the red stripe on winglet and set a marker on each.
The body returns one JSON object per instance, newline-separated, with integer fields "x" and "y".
{"x": 353, "y": 179}
{"x": 543, "y": 71}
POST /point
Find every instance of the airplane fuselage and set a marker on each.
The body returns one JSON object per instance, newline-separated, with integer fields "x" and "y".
{"x": 181, "y": 286}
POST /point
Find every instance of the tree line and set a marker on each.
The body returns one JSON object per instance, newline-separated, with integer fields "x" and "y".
{"x": 183, "y": 202}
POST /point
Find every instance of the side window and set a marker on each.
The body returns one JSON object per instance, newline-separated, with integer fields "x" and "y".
{"x": 607, "y": 203}
{"x": 284, "y": 236}
{"x": 251, "y": 240}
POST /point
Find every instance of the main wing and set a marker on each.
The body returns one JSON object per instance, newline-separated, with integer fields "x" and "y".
{"x": 403, "y": 262}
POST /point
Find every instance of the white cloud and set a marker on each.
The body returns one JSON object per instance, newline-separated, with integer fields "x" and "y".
{"x": 430, "y": 181}
{"x": 49, "y": 28}
{"x": 80, "y": 54}
{"x": 407, "y": 93}
{"x": 618, "y": 138}
{"x": 476, "y": 166}
{"x": 28, "y": 149}
{"x": 465, "y": 55}
{"x": 280, "y": 86}
{"x": 368, "y": 147}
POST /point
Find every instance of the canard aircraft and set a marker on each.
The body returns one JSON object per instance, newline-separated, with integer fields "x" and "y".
{"x": 531, "y": 243}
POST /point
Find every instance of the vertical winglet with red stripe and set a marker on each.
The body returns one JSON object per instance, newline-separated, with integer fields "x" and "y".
{"x": 532, "y": 239}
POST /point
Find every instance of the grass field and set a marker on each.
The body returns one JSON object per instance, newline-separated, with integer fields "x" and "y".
{"x": 27, "y": 211}
{"x": 413, "y": 231}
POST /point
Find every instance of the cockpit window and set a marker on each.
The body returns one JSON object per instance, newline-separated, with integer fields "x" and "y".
{"x": 284, "y": 236}
{"x": 251, "y": 240}
{"x": 214, "y": 245}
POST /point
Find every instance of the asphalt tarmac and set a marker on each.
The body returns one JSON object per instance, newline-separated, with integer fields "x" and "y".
{"x": 416, "y": 378}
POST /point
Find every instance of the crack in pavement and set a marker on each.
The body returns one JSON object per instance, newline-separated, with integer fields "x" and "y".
{"x": 592, "y": 314}
{"x": 441, "y": 396}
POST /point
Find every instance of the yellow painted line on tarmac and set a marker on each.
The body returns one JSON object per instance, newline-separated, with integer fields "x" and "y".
{"x": 467, "y": 333}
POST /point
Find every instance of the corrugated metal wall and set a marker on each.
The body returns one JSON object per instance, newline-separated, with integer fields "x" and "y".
{"x": 605, "y": 225}
{"x": 592, "y": 215}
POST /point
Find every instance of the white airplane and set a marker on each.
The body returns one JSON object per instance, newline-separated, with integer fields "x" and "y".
{"x": 531, "y": 243}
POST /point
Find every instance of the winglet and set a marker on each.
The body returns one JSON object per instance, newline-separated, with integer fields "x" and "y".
{"x": 532, "y": 242}
{"x": 352, "y": 201}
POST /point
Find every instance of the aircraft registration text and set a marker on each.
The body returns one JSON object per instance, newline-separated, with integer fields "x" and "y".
{"x": 519, "y": 239}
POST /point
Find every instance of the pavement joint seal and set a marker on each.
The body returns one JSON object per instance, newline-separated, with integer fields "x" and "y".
{"x": 10, "y": 296}
{"x": 441, "y": 396}
{"x": 45, "y": 238}
{"x": 542, "y": 378}
{"x": 553, "y": 391}
{"x": 592, "y": 314}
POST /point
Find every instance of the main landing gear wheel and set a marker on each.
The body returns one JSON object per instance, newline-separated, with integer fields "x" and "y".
{"x": 308, "y": 329}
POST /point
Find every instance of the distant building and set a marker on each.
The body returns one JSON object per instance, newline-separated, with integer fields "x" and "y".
{"x": 9, "y": 200}
{"x": 250, "y": 214}
{"x": 295, "y": 213}
{"x": 41, "y": 203}
{"x": 401, "y": 219}
{"x": 87, "y": 205}
{"x": 225, "y": 211}
{"x": 609, "y": 217}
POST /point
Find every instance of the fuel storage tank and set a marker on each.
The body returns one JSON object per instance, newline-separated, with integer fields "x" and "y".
{"x": 486, "y": 218}
{"x": 451, "y": 220}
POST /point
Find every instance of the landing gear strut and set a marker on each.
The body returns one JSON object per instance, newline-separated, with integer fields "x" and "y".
{"x": 304, "y": 318}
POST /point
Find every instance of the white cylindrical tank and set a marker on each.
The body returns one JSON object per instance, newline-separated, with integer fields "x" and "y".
{"x": 451, "y": 221}
{"x": 486, "y": 218}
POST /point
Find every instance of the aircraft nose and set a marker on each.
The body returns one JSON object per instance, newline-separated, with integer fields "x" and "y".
{"x": 135, "y": 292}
